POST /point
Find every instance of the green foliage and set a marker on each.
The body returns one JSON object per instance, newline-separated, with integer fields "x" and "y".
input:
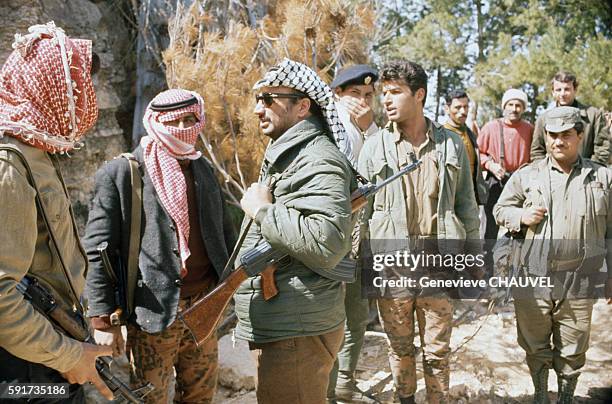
{"x": 501, "y": 44}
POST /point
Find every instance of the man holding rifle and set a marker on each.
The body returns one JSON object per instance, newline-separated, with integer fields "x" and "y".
{"x": 181, "y": 246}
{"x": 435, "y": 202}
{"x": 47, "y": 103}
{"x": 301, "y": 206}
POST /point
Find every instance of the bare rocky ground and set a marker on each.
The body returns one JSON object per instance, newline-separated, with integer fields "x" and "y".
{"x": 488, "y": 367}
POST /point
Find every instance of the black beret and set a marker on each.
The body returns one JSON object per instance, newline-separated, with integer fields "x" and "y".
{"x": 356, "y": 74}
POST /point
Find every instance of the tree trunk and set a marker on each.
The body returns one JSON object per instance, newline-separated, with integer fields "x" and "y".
{"x": 438, "y": 91}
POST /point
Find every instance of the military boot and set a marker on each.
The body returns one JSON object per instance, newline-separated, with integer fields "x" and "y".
{"x": 348, "y": 392}
{"x": 540, "y": 384}
{"x": 566, "y": 388}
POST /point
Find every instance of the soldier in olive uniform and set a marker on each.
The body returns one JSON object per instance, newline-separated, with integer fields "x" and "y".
{"x": 561, "y": 204}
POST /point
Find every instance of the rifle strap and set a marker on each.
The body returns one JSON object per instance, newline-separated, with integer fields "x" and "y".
{"x": 135, "y": 224}
{"x": 43, "y": 213}
{"x": 501, "y": 144}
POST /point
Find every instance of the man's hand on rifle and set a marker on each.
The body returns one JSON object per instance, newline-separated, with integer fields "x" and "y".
{"x": 111, "y": 337}
{"x": 85, "y": 369}
{"x": 255, "y": 197}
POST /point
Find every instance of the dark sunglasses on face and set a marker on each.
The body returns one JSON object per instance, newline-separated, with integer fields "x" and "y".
{"x": 268, "y": 98}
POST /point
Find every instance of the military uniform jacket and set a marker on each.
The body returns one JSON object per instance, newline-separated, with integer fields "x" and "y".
{"x": 310, "y": 220}
{"x": 25, "y": 248}
{"x": 157, "y": 291}
{"x": 385, "y": 217}
{"x": 591, "y": 222}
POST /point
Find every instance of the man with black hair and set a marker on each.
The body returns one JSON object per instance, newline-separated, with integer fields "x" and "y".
{"x": 561, "y": 207}
{"x": 300, "y": 206}
{"x": 354, "y": 91}
{"x": 436, "y": 202}
{"x": 596, "y": 142}
{"x": 457, "y": 108}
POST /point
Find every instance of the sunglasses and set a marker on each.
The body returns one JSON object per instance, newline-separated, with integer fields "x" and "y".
{"x": 268, "y": 98}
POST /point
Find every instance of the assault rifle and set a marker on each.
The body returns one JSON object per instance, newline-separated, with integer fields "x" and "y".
{"x": 45, "y": 303}
{"x": 204, "y": 315}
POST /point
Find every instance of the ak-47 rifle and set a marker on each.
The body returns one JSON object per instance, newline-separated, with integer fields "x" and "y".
{"x": 204, "y": 315}
{"x": 45, "y": 303}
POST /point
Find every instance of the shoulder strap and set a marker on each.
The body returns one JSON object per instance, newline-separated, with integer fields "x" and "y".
{"x": 501, "y": 144}
{"x": 135, "y": 222}
{"x": 43, "y": 213}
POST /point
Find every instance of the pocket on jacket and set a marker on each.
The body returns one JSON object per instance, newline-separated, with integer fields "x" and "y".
{"x": 455, "y": 230}
{"x": 600, "y": 197}
{"x": 56, "y": 208}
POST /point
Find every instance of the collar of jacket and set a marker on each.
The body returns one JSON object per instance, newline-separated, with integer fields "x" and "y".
{"x": 388, "y": 154}
{"x": 295, "y": 136}
{"x": 541, "y": 167}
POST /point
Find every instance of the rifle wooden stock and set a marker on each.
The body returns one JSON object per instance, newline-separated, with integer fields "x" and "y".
{"x": 204, "y": 315}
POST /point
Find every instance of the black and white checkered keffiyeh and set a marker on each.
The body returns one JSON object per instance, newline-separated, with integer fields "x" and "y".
{"x": 300, "y": 77}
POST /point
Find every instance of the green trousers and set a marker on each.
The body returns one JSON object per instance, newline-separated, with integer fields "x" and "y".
{"x": 554, "y": 333}
{"x": 357, "y": 310}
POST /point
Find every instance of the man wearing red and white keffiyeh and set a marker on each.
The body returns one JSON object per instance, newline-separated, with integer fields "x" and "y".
{"x": 47, "y": 103}
{"x": 185, "y": 240}
{"x": 164, "y": 146}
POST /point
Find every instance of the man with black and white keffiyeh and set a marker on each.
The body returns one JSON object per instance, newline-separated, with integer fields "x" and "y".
{"x": 301, "y": 206}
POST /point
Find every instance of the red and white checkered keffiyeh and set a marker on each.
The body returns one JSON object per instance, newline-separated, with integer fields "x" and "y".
{"x": 162, "y": 147}
{"x": 47, "y": 97}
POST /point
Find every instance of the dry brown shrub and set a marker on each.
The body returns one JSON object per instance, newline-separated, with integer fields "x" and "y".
{"x": 223, "y": 68}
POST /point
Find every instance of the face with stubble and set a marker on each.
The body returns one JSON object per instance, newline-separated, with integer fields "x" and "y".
{"x": 278, "y": 109}
{"x": 513, "y": 110}
{"x": 458, "y": 110}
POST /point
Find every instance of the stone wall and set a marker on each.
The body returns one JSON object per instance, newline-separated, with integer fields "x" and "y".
{"x": 107, "y": 24}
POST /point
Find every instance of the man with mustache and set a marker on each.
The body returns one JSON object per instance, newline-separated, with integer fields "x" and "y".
{"x": 457, "y": 108}
{"x": 596, "y": 142}
{"x": 561, "y": 206}
{"x": 47, "y": 104}
{"x": 434, "y": 202}
{"x": 504, "y": 146}
{"x": 302, "y": 207}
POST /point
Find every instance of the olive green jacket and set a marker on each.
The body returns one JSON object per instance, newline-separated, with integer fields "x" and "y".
{"x": 386, "y": 215}
{"x": 310, "y": 220}
{"x": 25, "y": 249}
{"x": 590, "y": 224}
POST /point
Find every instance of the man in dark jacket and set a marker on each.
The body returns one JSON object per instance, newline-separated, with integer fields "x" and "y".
{"x": 185, "y": 241}
{"x": 596, "y": 142}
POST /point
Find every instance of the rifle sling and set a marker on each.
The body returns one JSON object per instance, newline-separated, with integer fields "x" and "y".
{"x": 43, "y": 213}
{"x": 135, "y": 224}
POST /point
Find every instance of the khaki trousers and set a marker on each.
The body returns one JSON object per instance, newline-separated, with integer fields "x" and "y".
{"x": 296, "y": 370}
{"x": 435, "y": 316}
{"x": 554, "y": 333}
{"x": 155, "y": 357}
